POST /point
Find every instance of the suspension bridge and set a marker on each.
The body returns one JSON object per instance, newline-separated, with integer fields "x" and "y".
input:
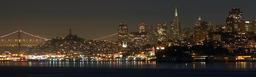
{"x": 107, "y": 37}
{"x": 21, "y": 38}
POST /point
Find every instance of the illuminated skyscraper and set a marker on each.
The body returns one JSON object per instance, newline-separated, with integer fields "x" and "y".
{"x": 247, "y": 26}
{"x": 123, "y": 34}
{"x": 234, "y": 21}
{"x": 142, "y": 27}
{"x": 175, "y": 28}
{"x": 143, "y": 33}
{"x": 141, "y": 37}
{"x": 200, "y": 30}
{"x": 253, "y": 26}
{"x": 138, "y": 38}
{"x": 161, "y": 32}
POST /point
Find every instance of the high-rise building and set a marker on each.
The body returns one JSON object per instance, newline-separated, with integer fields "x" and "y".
{"x": 143, "y": 33}
{"x": 142, "y": 27}
{"x": 141, "y": 37}
{"x": 123, "y": 37}
{"x": 234, "y": 21}
{"x": 253, "y": 26}
{"x": 175, "y": 29}
{"x": 200, "y": 30}
{"x": 213, "y": 32}
{"x": 152, "y": 34}
{"x": 161, "y": 32}
{"x": 247, "y": 26}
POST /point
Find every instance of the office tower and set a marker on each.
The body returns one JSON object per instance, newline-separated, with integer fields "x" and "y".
{"x": 200, "y": 31}
{"x": 175, "y": 29}
{"x": 123, "y": 37}
{"x": 234, "y": 21}
{"x": 161, "y": 32}
{"x": 247, "y": 26}
{"x": 140, "y": 37}
{"x": 142, "y": 27}
{"x": 253, "y": 26}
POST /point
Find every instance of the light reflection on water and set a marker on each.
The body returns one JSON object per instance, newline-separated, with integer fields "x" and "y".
{"x": 98, "y": 64}
{"x": 134, "y": 64}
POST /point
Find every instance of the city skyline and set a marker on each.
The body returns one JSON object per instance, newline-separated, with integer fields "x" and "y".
{"x": 127, "y": 38}
{"x": 85, "y": 17}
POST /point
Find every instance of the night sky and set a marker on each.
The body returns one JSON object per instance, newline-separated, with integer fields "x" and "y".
{"x": 95, "y": 18}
